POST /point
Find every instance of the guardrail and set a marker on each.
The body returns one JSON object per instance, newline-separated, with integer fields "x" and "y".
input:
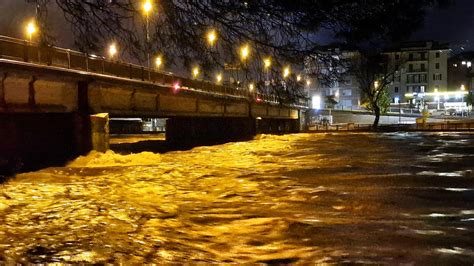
{"x": 338, "y": 127}
{"x": 22, "y": 50}
{"x": 448, "y": 125}
{"x": 437, "y": 126}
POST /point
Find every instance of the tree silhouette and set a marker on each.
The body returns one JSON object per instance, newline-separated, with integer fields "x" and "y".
{"x": 375, "y": 73}
{"x": 288, "y": 31}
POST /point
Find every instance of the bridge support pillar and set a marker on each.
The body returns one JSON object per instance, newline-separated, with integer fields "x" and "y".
{"x": 187, "y": 130}
{"x": 100, "y": 132}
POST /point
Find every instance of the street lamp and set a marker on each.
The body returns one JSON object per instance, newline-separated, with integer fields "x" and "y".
{"x": 219, "y": 78}
{"x": 308, "y": 82}
{"x": 286, "y": 72}
{"x": 147, "y": 7}
{"x": 267, "y": 63}
{"x": 251, "y": 87}
{"x": 298, "y": 78}
{"x": 31, "y": 29}
{"x": 158, "y": 62}
{"x": 195, "y": 72}
{"x": 244, "y": 52}
{"x": 437, "y": 98}
{"x": 112, "y": 50}
{"x": 211, "y": 37}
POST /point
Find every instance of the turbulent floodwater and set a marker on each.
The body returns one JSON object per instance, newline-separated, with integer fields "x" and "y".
{"x": 321, "y": 198}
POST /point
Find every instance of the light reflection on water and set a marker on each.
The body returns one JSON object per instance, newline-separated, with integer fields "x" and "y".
{"x": 300, "y": 199}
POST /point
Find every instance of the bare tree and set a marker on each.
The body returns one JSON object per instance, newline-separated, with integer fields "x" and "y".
{"x": 374, "y": 74}
{"x": 285, "y": 30}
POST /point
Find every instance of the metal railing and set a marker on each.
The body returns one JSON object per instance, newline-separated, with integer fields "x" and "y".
{"x": 32, "y": 52}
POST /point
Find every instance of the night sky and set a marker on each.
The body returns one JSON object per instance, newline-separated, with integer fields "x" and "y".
{"x": 454, "y": 24}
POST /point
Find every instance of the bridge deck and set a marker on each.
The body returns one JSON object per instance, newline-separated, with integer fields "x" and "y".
{"x": 15, "y": 51}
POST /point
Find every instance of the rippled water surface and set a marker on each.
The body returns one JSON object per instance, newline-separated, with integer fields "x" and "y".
{"x": 335, "y": 198}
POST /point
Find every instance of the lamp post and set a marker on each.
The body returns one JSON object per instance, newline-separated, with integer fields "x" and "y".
{"x": 30, "y": 30}
{"x": 219, "y": 78}
{"x": 112, "y": 51}
{"x": 286, "y": 72}
{"x": 463, "y": 88}
{"x": 195, "y": 72}
{"x": 267, "y": 63}
{"x": 251, "y": 88}
{"x": 147, "y": 7}
{"x": 158, "y": 62}
{"x": 244, "y": 54}
{"x": 211, "y": 37}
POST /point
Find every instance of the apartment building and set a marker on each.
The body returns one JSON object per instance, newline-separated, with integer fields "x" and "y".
{"x": 423, "y": 73}
{"x": 333, "y": 79}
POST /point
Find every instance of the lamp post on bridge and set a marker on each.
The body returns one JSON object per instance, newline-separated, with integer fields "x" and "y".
{"x": 267, "y": 63}
{"x": 244, "y": 55}
{"x": 30, "y": 30}
{"x": 147, "y": 7}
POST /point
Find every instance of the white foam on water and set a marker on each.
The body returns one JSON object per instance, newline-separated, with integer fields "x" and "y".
{"x": 110, "y": 158}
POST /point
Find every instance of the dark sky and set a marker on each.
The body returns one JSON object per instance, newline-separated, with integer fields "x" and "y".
{"x": 454, "y": 24}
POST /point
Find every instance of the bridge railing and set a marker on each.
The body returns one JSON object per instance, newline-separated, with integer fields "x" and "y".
{"x": 22, "y": 50}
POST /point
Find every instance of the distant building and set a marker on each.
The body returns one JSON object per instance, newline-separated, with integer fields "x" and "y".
{"x": 461, "y": 71}
{"x": 423, "y": 75}
{"x": 332, "y": 81}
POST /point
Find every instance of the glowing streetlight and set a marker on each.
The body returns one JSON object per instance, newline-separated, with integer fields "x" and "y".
{"x": 267, "y": 63}
{"x": 308, "y": 82}
{"x": 31, "y": 29}
{"x": 463, "y": 88}
{"x": 376, "y": 84}
{"x": 158, "y": 61}
{"x": 195, "y": 72}
{"x": 219, "y": 78}
{"x": 298, "y": 78}
{"x": 147, "y": 7}
{"x": 244, "y": 52}
{"x": 436, "y": 98}
{"x": 251, "y": 87}
{"x": 286, "y": 72}
{"x": 112, "y": 50}
{"x": 211, "y": 37}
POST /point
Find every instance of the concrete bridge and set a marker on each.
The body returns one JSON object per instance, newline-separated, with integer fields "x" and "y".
{"x": 48, "y": 96}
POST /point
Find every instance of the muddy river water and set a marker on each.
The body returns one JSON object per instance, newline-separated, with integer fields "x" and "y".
{"x": 302, "y": 199}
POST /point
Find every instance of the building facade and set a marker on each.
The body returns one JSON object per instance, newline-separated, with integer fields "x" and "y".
{"x": 333, "y": 80}
{"x": 423, "y": 73}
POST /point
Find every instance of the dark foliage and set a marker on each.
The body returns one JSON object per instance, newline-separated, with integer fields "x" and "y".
{"x": 286, "y": 30}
